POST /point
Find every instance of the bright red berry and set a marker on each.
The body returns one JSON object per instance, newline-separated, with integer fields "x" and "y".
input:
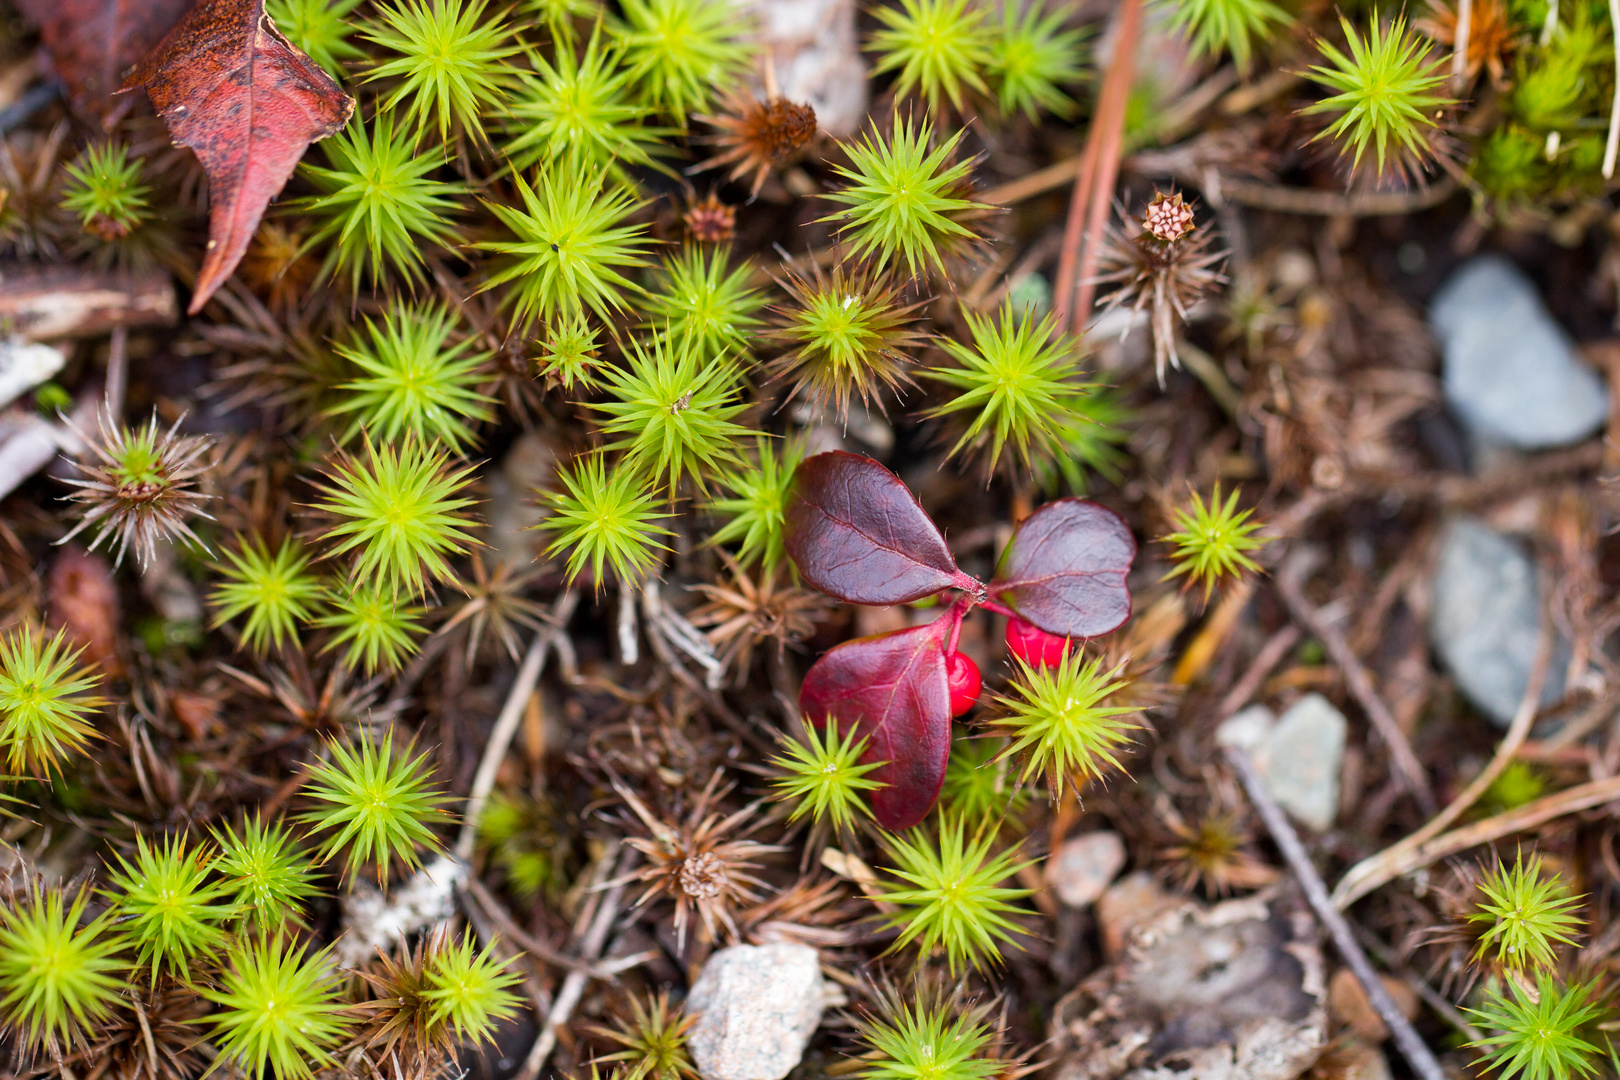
{"x": 962, "y": 677}
{"x": 1033, "y": 645}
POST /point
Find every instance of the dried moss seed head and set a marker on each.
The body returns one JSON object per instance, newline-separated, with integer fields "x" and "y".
{"x": 141, "y": 488}
{"x": 1168, "y": 218}
{"x": 710, "y": 221}
{"x": 754, "y": 137}
{"x": 703, "y": 863}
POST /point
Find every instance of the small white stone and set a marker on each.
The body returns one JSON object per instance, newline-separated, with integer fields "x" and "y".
{"x": 1082, "y": 868}
{"x": 756, "y": 1008}
{"x": 1297, "y": 755}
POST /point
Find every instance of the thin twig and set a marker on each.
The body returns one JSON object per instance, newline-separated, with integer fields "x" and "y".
{"x": 1528, "y": 816}
{"x": 573, "y": 987}
{"x": 117, "y": 373}
{"x": 1459, "y": 49}
{"x": 537, "y": 948}
{"x": 506, "y": 724}
{"x": 1442, "y": 1007}
{"x": 1269, "y": 656}
{"x": 1412, "y": 1047}
{"x": 1290, "y": 582}
{"x": 1351, "y": 886}
{"x": 1612, "y": 146}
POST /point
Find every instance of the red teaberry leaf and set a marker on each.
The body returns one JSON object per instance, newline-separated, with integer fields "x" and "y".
{"x": 239, "y": 94}
{"x": 891, "y": 688}
{"x": 858, "y": 535}
{"x": 1065, "y": 569}
{"x": 92, "y": 42}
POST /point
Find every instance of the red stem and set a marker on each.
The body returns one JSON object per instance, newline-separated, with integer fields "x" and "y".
{"x": 1094, "y": 185}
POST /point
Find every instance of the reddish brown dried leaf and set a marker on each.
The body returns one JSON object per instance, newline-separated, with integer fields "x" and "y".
{"x": 235, "y": 91}
{"x": 93, "y": 42}
{"x": 892, "y": 689}
{"x": 858, "y": 535}
{"x": 1065, "y": 569}
{"x": 84, "y": 601}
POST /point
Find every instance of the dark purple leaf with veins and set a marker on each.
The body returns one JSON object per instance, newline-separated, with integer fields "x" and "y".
{"x": 891, "y": 689}
{"x": 1065, "y": 568}
{"x": 858, "y": 535}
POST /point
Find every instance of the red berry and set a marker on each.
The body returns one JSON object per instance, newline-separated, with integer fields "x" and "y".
{"x": 1033, "y": 645}
{"x": 962, "y": 677}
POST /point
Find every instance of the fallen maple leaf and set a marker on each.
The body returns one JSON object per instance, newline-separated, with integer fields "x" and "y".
{"x": 93, "y": 42}
{"x": 248, "y": 103}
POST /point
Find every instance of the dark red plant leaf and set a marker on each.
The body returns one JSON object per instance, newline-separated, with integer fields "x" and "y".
{"x": 1065, "y": 569}
{"x": 858, "y": 535}
{"x": 239, "y": 94}
{"x": 892, "y": 688}
{"x": 93, "y": 42}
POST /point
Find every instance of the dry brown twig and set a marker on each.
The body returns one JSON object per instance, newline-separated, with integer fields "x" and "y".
{"x": 1290, "y": 585}
{"x": 506, "y": 724}
{"x": 1378, "y": 869}
{"x": 1411, "y": 1045}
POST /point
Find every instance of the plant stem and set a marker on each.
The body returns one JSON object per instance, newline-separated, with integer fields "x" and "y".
{"x": 1411, "y": 1045}
{"x": 1359, "y": 879}
{"x": 1094, "y": 184}
{"x": 506, "y": 724}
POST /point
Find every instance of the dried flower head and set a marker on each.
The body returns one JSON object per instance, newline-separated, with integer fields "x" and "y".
{"x": 698, "y": 863}
{"x": 1168, "y": 218}
{"x": 1492, "y": 36}
{"x": 1211, "y": 853}
{"x": 1164, "y": 268}
{"x": 748, "y": 611}
{"x": 142, "y": 487}
{"x": 710, "y": 221}
{"x": 754, "y": 136}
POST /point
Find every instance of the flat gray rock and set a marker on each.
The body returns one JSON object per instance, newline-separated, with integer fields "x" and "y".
{"x": 1298, "y": 755}
{"x": 1511, "y": 373}
{"x": 1485, "y": 620}
{"x": 756, "y": 1008}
